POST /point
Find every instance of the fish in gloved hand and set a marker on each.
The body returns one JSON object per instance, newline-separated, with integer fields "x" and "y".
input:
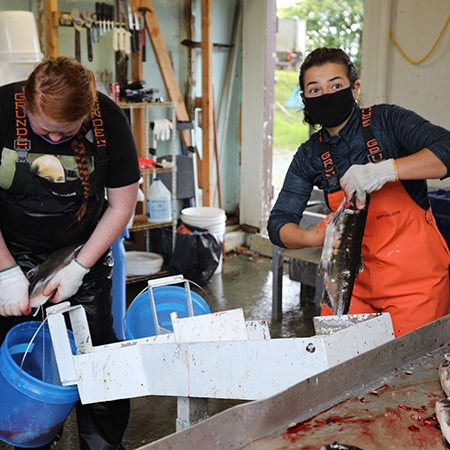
{"x": 337, "y": 446}
{"x": 42, "y": 274}
{"x": 341, "y": 259}
{"x": 443, "y": 416}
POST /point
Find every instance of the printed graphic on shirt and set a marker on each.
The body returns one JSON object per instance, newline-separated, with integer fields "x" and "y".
{"x": 53, "y": 168}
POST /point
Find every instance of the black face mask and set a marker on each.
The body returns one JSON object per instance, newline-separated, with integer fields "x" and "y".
{"x": 330, "y": 110}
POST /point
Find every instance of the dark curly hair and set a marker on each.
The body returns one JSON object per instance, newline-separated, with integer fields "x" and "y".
{"x": 319, "y": 57}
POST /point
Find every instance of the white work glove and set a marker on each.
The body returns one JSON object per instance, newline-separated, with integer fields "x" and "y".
{"x": 162, "y": 128}
{"x": 14, "y": 300}
{"x": 367, "y": 178}
{"x": 67, "y": 280}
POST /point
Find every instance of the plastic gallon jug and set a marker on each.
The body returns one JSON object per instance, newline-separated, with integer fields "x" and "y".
{"x": 159, "y": 203}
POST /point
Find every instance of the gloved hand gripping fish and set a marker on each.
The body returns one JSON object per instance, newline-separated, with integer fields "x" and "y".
{"x": 341, "y": 259}
{"x": 41, "y": 275}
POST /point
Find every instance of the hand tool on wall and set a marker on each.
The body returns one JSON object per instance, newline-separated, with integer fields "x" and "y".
{"x": 137, "y": 32}
{"x": 95, "y": 30}
{"x": 101, "y": 19}
{"x": 88, "y": 21}
{"x": 65, "y": 19}
{"x": 98, "y": 13}
{"x": 118, "y": 29}
{"x": 143, "y": 10}
{"x": 110, "y": 9}
{"x": 142, "y": 33}
{"x": 127, "y": 34}
{"x": 195, "y": 44}
{"x": 77, "y": 24}
{"x": 132, "y": 28}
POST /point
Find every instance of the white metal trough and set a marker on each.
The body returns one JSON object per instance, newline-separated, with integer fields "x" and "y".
{"x": 218, "y": 355}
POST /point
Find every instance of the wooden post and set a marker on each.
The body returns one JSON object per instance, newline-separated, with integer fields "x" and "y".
{"x": 51, "y": 30}
{"x": 170, "y": 82}
{"x": 207, "y": 104}
{"x": 165, "y": 66}
{"x": 137, "y": 73}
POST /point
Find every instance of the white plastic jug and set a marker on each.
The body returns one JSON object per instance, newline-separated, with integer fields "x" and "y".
{"x": 159, "y": 203}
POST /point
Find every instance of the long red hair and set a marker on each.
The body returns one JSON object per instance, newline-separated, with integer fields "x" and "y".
{"x": 66, "y": 91}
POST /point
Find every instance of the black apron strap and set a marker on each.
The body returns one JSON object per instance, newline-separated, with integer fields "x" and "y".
{"x": 22, "y": 145}
{"x": 375, "y": 152}
{"x": 330, "y": 171}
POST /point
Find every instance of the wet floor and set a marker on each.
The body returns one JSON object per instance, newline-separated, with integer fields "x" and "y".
{"x": 245, "y": 282}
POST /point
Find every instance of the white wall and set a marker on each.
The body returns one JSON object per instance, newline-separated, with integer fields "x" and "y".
{"x": 258, "y": 66}
{"x": 416, "y": 25}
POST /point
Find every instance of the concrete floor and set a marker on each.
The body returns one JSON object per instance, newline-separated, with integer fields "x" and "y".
{"x": 245, "y": 282}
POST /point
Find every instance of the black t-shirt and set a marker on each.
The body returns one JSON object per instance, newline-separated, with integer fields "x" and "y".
{"x": 40, "y": 197}
{"x": 122, "y": 168}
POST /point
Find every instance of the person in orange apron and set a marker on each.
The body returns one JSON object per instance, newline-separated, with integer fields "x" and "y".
{"x": 385, "y": 151}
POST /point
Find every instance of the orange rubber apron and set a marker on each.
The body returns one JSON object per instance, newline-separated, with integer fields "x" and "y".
{"x": 406, "y": 261}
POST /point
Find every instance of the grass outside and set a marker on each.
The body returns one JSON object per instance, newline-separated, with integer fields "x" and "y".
{"x": 289, "y": 131}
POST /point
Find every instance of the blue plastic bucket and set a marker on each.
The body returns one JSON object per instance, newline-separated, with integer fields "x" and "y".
{"x": 139, "y": 318}
{"x": 33, "y": 404}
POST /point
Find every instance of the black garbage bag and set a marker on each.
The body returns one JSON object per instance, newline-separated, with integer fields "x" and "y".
{"x": 161, "y": 243}
{"x": 196, "y": 255}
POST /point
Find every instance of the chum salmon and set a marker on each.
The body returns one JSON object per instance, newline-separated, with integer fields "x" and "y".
{"x": 41, "y": 275}
{"x": 341, "y": 259}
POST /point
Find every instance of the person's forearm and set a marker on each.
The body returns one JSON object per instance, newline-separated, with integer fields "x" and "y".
{"x": 420, "y": 166}
{"x": 294, "y": 237}
{"x": 114, "y": 220}
{"x": 6, "y": 259}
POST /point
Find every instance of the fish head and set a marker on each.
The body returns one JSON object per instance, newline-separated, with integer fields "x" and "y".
{"x": 42, "y": 274}
{"x": 443, "y": 416}
{"x": 444, "y": 374}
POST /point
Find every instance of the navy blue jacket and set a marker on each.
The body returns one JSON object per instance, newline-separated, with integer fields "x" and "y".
{"x": 399, "y": 133}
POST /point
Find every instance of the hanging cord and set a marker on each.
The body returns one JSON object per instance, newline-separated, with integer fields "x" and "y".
{"x": 429, "y": 53}
{"x": 28, "y": 348}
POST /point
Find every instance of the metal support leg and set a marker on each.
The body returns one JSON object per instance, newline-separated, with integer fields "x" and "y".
{"x": 190, "y": 411}
{"x": 277, "y": 283}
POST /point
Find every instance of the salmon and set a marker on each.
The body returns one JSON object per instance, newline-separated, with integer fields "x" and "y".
{"x": 41, "y": 275}
{"x": 341, "y": 259}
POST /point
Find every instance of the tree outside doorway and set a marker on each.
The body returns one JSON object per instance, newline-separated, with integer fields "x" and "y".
{"x": 328, "y": 24}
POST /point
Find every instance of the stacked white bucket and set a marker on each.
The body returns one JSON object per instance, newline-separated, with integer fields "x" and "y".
{"x": 212, "y": 219}
{"x": 19, "y": 45}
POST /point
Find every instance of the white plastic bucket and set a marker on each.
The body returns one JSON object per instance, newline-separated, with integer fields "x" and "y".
{"x": 20, "y": 50}
{"x": 18, "y": 37}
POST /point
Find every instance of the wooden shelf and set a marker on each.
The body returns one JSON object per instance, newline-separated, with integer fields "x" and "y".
{"x": 140, "y": 224}
{"x": 139, "y": 278}
{"x": 127, "y": 105}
